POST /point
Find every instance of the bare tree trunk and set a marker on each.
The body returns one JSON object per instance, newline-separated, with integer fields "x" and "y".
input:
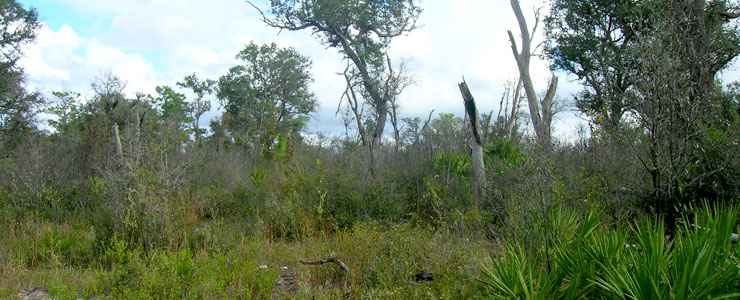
{"x": 377, "y": 139}
{"x": 394, "y": 123}
{"x": 138, "y": 148}
{"x": 395, "y": 84}
{"x": 548, "y": 113}
{"x": 117, "y": 144}
{"x": 380, "y": 103}
{"x": 476, "y": 145}
{"x": 540, "y": 119}
{"x": 354, "y": 105}
{"x": 357, "y": 110}
{"x": 382, "y": 97}
{"x": 380, "y": 126}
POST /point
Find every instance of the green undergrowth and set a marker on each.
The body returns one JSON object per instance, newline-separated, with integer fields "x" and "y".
{"x": 568, "y": 254}
{"x": 68, "y": 260}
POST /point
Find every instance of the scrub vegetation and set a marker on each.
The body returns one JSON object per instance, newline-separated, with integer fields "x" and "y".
{"x": 115, "y": 196}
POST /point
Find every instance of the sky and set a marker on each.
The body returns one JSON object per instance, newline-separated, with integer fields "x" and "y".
{"x": 158, "y": 42}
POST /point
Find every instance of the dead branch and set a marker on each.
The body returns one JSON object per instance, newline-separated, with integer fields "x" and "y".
{"x": 331, "y": 259}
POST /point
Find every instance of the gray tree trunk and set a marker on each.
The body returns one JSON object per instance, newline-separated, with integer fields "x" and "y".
{"x": 541, "y": 118}
{"x": 117, "y": 144}
{"x": 476, "y": 144}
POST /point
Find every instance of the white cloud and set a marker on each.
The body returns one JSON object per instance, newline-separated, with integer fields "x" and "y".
{"x": 465, "y": 38}
{"x": 35, "y": 61}
{"x": 62, "y": 59}
{"x": 153, "y": 42}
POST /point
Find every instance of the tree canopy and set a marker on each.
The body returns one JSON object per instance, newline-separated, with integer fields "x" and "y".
{"x": 594, "y": 40}
{"x": 268, "y": 94}
{"x": 18, "y": 27}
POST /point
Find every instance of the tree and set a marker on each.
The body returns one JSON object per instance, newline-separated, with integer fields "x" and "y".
{"x": 595, "y": 40}
{"x": 66, "y": 110}
{"x": 108, "y": 96}
{"x": 505, "y": 123}
{"x": 174, "y": 117}
{"x": 18, "y": 27}
{"x": 541, "y": 117}
{"x": 355, "y": 106}
{"x": 18, "y": 109}
{"x": 199, "y": 105}
{"x": 476, "y": 144}
{"x": 689, "y": 124}
{"x": 395, "y": 83}
{"x": 362, "y": 31}
{"x": 268, "y": 95}
{"x": 173, "y": 109}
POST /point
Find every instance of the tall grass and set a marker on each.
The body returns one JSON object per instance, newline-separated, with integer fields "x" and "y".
{"x": 590, "y": 260}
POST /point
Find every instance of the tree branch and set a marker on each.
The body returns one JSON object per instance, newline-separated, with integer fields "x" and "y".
{"x": 331, "y": 259}
{"x": 523, "y": 28}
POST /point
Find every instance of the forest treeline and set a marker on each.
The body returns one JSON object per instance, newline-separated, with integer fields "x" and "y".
{"x": 134, "y": 198}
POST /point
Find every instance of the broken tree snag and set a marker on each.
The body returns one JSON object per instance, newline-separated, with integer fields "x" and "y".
{"x": 471, "y": 110}
{"x": 331, "y": 259}
{"x": 476, "y": 144}
{"x": 117, "y": 144}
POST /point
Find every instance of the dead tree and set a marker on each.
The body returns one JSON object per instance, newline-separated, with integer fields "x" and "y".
{"x": 395, "y": 84}
{"x": 503, "y": 124}
{"x": 355, "y": 106}
{"x": 513, "y": 116}
{"x": 541, "y": 118}
{"x": 476, "y": 144}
